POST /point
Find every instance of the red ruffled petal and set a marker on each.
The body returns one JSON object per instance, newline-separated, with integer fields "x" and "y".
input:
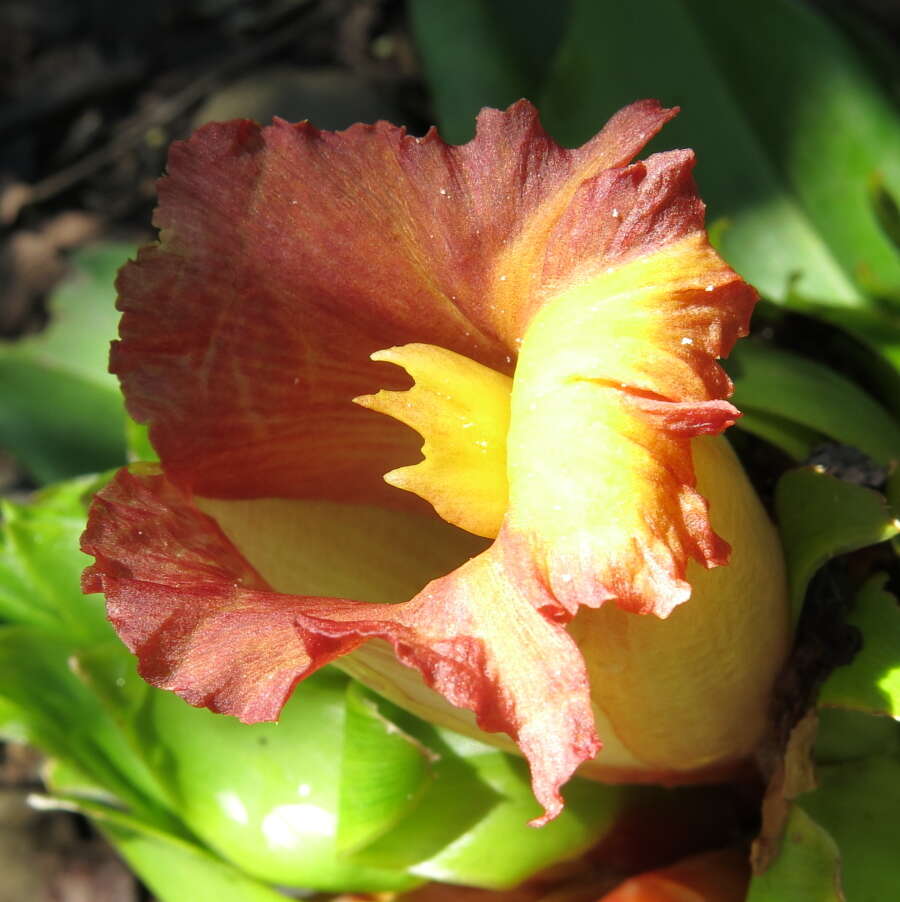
{"x": 200, "y": 619}
{"x": 204, "y": 624}
{"x": 288, "y": 255}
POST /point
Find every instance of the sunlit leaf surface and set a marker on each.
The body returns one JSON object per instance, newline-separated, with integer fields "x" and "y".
{"x": 857, "y": 804}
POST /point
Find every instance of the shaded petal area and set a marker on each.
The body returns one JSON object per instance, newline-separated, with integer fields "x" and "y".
{"x": 205, "y": 624}
{"x": 287, "y": 256}
{"x": 721, "y": 876}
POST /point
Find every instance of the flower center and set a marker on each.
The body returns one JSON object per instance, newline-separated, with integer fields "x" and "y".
{"x": 461, "y": 409}
{"x": 583, "y": 460}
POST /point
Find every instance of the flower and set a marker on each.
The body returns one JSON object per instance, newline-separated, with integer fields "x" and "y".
{"x": 560, "y": 313}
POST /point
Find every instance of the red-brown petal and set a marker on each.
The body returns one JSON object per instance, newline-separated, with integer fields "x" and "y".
{"x": 288, "y": 255}
{"x": 200, "y": 619}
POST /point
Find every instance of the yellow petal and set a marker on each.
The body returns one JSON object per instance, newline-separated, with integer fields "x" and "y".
{"x": 614, "y": 377}
{"x": 461, "y": 408}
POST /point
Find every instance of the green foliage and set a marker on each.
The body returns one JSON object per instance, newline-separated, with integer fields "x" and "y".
{"x": 857, "y": 803}
{"x": 173, "y": 868}
{"x": 791, "y": 131}
{"x": 876, "y": 327}
{"x": 848, "y": 735}
{"x": 137, "y": 439}
{"x": 482, "y": 800}
{"x": 478, "y": 54}
{"x": 793, "y": 390}
{"x": 384, "y": 771}
{"x": 807, "y": 868}
{"x": 788, "y": 126}
{"x": 61, "y": 413}
{"x": 820, "y": 517}
{"x": 871, "y": 682}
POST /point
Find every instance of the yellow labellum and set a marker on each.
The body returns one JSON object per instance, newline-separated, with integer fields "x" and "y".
{"x": 461, "y": 409}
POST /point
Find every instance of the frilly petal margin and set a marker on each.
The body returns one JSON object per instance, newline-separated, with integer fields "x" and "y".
{"x": 287, "y": 256}
{"x": 204, "y": 624}
{"x": 615, "y": 377}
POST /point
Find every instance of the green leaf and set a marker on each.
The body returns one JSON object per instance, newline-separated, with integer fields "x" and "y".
{"x": 871, "y": 682}
{"x": 470, "y": 825}
{"x": 40, "y": 564}
{"x": 886, "y": 209}
{"x": 877, "y": 329}
{"x": 61, "y": 413}
{"x": 383, "y": 775}
{"x": 892, "y": 489}
{"x": 174, "y": 868}
{"x": 501, "y": 850}
{"x": 47, "y": 625}
{"x": 479, "y": 54}
{"x": 137, "y": 440}
{"x": 801, "y": 391}
{"x": 456, "y": 801}
{"x": 820, "y": 517}
{"x": 807, "y": 869}
{"x": 272, "y": 797}
{"x": 788, "y": 127}
{"x": 54, "y": 422}
{"x": 857, "y": 803}
{"x": 59, "y": 714}
{"x": 847, "y": 735}
{"x": 62, "y": 776}
{"x": 796, "y": 441}
{"x": 267, "y": 796}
